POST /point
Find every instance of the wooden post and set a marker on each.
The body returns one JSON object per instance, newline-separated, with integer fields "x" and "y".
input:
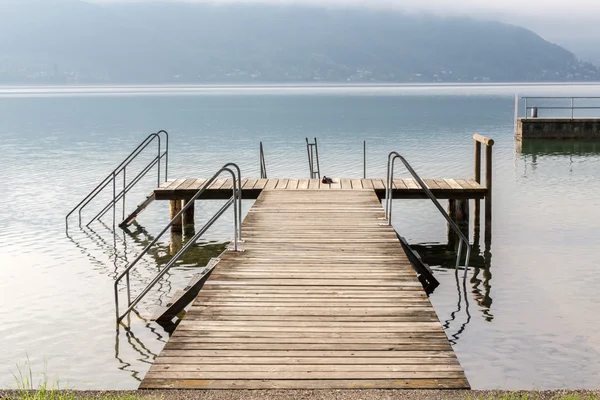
{"x": 175, "y": 208}
{"x": 458, "y": 210}
{"x": 488, "y": 143}
{"x": 488, "y": 196}
{"x": 477, "y": 209}
{"x": 188, "y": 219}
{"x": 176, "y": 242}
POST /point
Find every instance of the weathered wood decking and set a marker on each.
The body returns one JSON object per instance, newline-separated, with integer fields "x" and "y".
{"x": 322, "y": 297}
{"x": 402, "y": 189}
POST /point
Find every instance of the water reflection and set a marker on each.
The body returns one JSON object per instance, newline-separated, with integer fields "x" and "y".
{"x": 115, "y": 249}
{"x": 557, "y": 147}
{"x": 147, "y": 356}
{"x": 443, "y": 257}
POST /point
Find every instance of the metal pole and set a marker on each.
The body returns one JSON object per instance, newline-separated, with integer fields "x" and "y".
{"x": 124, "y": 191}
{"x": 308, "y": 152}
{"x": 364, "y": 159}
{"x": 516, "y": 121}
{"x": 158, "y": 180}
{"x": 572, "y": 114}
{"x": 114, "y": 179}
{"x": 235, "y": 215}
{"x": 526, "y": 110}
{"x": 317, "y": 155}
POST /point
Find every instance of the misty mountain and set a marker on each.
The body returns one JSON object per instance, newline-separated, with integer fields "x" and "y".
{"x": 73, "y": 41}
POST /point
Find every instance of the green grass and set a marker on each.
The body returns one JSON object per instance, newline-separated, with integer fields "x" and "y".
{"x": 27, "y": 387}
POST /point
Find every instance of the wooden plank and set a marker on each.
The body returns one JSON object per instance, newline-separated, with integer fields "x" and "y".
{"x": 411, "y": 184}
{"x": 293, "y": 184}
{"x": 399, "y": 184}
{"x": 453, "y": 184}
{"x": 234, "y": 361}
{"x": 345, "y": 184}
{"x": 431, "y": 184}
{"x": 303, "y": 184}
{"x": 308, "y": 353}
{"x": 443, "y": 184}
{"x": 474, "y": 185}
{"x": 184, "y": 184}
{"x": 306, "y": 367}
{"x": 217, "y": 184}
{"x": 336, "y": 184}
{"x": 304, "y": 375}
{"x": 367, "y": 183}
{"x": 314, "y": 184}
{"x": 464, "y": 184}
{"x": 228, "y": 185}
{"x": 306, "y": 384}
{"x": 378, "y": 184}
{"x": 356, "y": 184}
{"x": 260, "y": 184}
{"x": 197, "y": 185}
{"x": 282, "y": 184}
{"x": 172, "y": 185}
{"x": 271, "y": 184}
{"x": 250, "y": 183}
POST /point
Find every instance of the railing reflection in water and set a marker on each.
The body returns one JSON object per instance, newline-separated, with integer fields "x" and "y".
{"x": 108, "y": 251}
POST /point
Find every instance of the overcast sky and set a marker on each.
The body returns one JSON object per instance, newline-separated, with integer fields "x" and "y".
{"x": 566, "y": 8}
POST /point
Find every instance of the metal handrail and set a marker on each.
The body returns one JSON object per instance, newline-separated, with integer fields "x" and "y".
{"x": 572, "y": 107}
{"x": 123, "y": 192}
{"x": 122, "y": 168}
{"x": 388, "y": 205}
{"x": 236, "y": 200}
{"x": 263, "y": 165}
{"x": 313, "y": 155}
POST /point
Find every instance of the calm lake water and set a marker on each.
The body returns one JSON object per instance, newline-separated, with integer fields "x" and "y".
{"x": 530, "y": 315}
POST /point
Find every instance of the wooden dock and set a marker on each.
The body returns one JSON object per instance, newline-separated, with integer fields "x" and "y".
{"x": 181, "y": 189}
{"x": 323, "y": 297}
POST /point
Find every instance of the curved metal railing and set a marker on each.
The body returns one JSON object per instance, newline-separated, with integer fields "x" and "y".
{"x": 122, "y": 170}
{"x": 388, "y": 205}
{"x": 236, "y": 200}
{"x": 263, "y": 165}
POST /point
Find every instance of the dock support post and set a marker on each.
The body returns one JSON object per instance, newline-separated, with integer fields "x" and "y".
{"x": 488, "y": 195}
{"x": 489, "y": 143}
{"x": 175, "y": 208}
{"x": 477, "y": 209}
{"x": 188, "y": 219}
{"x": 458, "y": 210}
{"x": 176, "y": 243}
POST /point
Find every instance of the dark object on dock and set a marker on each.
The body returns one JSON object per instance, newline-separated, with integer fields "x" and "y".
{"x": 327, "y": 180}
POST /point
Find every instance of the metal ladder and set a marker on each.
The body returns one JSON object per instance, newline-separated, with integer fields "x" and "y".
{"x": 235, "y": 200}
{"x": 313, "y": 159}
{"x": 388, "y": 205}
{"x": 121, "y": 171}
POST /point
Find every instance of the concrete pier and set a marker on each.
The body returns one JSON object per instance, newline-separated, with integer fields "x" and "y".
{"x": 558, "y": 128}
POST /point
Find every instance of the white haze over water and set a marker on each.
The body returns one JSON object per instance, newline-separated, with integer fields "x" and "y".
{"x": 565, "y": 9}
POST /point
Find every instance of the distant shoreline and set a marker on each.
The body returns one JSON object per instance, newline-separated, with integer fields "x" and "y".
{"x": 489, "y": 88}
